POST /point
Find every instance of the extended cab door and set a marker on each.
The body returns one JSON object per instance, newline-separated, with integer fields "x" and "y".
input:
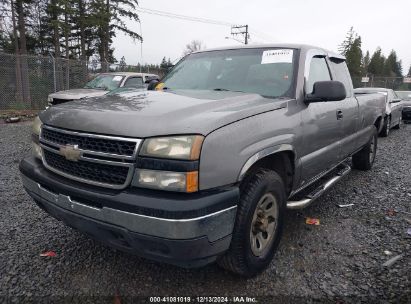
{"x": 347, "y": 109}
{"x": 320, "y": 125}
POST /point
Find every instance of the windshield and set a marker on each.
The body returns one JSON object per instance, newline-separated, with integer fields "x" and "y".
{"x": 268, "y": 72}
{"x": 406, "y": 95}
{"x": 105, "y": 82}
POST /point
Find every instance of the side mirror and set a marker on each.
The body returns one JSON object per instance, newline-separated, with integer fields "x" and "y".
{"x": 152, "y": 84}
{"x": 396, "y": 100}
{"x": 327, "y": 91}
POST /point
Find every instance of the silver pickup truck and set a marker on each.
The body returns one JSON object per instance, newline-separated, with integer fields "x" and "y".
{"x": 202, "y": 167}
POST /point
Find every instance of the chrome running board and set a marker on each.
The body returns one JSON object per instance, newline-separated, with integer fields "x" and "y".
{"x": 340, "y": 172}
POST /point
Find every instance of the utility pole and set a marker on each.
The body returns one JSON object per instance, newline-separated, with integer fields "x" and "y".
{"x": 241, "y": 30}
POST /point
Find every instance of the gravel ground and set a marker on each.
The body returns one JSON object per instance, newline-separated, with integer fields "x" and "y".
{"x": 337, "y": 261}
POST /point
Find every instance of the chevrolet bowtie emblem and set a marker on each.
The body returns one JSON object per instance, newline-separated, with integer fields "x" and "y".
{"x": 70, "y": 152}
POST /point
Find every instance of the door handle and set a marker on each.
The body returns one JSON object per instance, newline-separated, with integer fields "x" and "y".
{"x": 340, "y": 115}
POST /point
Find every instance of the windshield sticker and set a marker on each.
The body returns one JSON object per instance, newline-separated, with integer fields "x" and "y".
{"x": 277, "y": 56}
{"x": 117, "y": 78}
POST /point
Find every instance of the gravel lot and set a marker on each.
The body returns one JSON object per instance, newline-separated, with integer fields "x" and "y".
{"x": 339, "y": 260}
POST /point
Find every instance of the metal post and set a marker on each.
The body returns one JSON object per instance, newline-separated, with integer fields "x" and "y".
{"x": 54, "y": 72}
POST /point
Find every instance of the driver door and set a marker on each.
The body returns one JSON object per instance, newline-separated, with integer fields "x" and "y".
{"x": 321, "y": 126}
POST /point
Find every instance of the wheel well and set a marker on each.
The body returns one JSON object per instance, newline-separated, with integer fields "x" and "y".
{"x": 377, "y": 123}
{"x": 281, "y": 162}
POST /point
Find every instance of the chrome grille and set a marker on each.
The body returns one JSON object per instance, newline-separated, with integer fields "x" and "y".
{"x": 90, "y": 143}
{"x": 105, "y": 161}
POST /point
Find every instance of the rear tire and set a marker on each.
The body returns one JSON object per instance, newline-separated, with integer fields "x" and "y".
{"x": 364, "y": 159}
{"x": 397, "y": 127}
{"x": 256, "y": 237}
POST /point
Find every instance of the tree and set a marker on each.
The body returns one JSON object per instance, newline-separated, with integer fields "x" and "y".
{"x": 21, "y": 27}
{"x": 108, "y": 17}
{"x": 347, "y": 43}
{"x": 392, "y": 66}
{"x": 163, "y": 63}
{"x": 193, "y": 46}
{"x": 376, "y": 66}
{"x": 351, "y": 49}
{"x": 366, "y": 62}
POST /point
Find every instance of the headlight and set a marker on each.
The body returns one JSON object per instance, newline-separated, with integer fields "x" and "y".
{"x": 49, "y": 98}
{"x": 36, "y": 150}
{"x": 176, "y": 147}
{"x": 36, "y": 126}
{"x": 36, "y": 129}
{"x": 165, "y": 180}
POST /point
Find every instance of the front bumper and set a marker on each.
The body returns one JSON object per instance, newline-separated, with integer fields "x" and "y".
{"x": 406, "y": 113}
{"x": 183, "y": 229}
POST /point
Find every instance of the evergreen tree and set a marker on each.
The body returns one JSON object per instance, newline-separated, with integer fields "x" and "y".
{"x": 163, "y": 63}
{"x": 351, "y": 49}
{"x": 392, "y": 67}
{"x": 366, "y": 62}
{"x": 376, "y": 66}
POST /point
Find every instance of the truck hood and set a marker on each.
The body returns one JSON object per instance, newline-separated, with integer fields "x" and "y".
{"x": 75, "y": 94}
{"x": 154, "y": 113}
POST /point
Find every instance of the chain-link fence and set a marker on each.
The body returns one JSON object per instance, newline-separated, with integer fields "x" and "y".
{"x": 26, "y": 81}
{"x": 395, "y": 83}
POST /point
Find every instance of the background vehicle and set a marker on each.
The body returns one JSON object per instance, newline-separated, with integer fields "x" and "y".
{"x": 406, "y": 104}
{"x": 203, "y": 169}
{"x": 393, "y": 108}
{"x": 103, "y": 84}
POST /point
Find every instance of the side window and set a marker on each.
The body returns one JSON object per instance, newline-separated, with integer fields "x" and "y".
{"x": 134, "y": 82}
{"x": 318, "y": 72}
{"x": 341, "y": 73}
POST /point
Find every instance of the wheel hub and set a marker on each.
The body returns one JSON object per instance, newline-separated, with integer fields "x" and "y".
{"x": 264, "y": 224}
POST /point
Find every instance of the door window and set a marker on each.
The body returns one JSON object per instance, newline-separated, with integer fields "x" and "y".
{"x": 134, "y": 82}
{"x": 341, "y": 73}
{"x": 318, "y": 72}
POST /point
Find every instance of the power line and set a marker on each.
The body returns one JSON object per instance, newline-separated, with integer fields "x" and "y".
{"x": 182, "y": 17}
{"x": 202, "y": 20}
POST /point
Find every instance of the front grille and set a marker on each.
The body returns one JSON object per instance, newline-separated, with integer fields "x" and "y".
{"x": 99, "y": 160}
{"x": 57, "y": 101}
{"x": 90, "y": 143}
{"x": 95, "y": 172}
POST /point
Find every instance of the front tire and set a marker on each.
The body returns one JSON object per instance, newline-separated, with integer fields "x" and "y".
{"x": 387, "y": 126}
{"x": 364, "y": 159}
{"x": 258, "y": 226}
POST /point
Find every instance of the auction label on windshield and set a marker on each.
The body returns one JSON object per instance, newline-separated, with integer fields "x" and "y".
{"x": 277, "y": 56}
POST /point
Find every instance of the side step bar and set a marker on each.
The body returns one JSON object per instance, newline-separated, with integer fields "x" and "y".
{"x": 342, "y": 171}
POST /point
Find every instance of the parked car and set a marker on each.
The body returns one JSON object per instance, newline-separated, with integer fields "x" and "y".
{"x": 101, "y": 85}
{"x": 393, "y": 108}
{"x": 406, "y": 104}
{"x": 202, "y": 168}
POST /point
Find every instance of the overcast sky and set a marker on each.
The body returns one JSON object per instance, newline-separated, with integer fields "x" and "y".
{"x": 319, "y": 22}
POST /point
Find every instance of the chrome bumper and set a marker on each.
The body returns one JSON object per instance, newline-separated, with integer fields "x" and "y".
{"x": 215, "y": 225}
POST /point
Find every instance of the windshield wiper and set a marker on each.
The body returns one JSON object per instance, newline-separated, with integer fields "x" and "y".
{"x": 225, "y": 90}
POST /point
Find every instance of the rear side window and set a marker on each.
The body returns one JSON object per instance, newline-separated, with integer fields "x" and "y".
{"x": 341, "y": 73}
{"x": 318, "y": 72}
{"x": 134, "y": 82}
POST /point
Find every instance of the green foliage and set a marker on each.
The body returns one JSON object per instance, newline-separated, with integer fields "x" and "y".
{"x": 376, "y": 65}
{"x": 351, "y": 49}
{"x": 77, "y": 29}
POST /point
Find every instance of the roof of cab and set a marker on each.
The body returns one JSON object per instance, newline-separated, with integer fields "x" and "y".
{"x": 128, "y": 74}
{"x": 304, "y": 47}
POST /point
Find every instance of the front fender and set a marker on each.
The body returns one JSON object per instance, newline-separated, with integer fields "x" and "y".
{"x": 263, "y": 153}
{"x": 228, "y": 152}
